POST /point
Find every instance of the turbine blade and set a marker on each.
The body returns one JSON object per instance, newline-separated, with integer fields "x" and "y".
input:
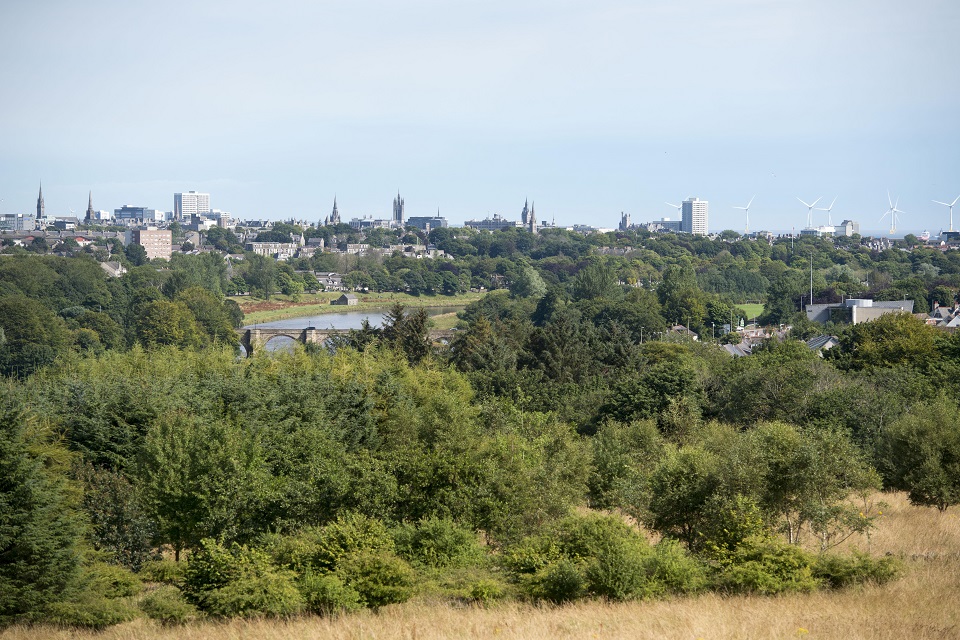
{"x": 817, "y": 200}
{"x": 889, "y": 199}
{"x": 943, "y": 203}
{"x": 955, "y": 201}
{"x": 803, "y": 203}
{"x": 750, "y": 203}
{"x": 831, "y": 204}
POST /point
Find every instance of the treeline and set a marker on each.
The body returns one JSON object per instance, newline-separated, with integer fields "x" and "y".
{"x": 51, "y": 306}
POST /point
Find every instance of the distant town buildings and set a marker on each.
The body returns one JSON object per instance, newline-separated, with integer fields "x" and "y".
{"x": 18, "y": 222}
{"x": 130, "y": 215}
{"x": 496, "y": 223}
{"x": 856, "y": 310}
{"x": 158, "y": 243}
{"x": 189, "y": 204}
{"x": 694, "y": 216}
{"x": 427, "y": 223}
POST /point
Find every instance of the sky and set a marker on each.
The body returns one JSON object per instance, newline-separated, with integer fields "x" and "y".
{"x": 469, "y": 107}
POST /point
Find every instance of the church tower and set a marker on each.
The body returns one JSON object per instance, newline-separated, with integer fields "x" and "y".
{"x": 398, "y": 211}
{"x": 41, "y": 209}
{"x": 335, "y": 216}
{"x": 532, "y": 220}
{"x": 525, "y": 213}
{"x": 90, "y": 215}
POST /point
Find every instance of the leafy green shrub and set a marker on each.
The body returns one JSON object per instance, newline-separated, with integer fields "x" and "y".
{"x": 766, "y": 567}
{"x": 531, "y": 554}
{"x": 485, "y": 590}
{"x": 559, "y": 582}
{"x": 379, "y": 578}
{"x": 166, "y": 605}
{"x": 163, "y": 570}
{"x": 437, "y": 542}
{"x": 291, "y": 551}
{"x": 326, "y": 595}
{"x": 350, "y": 534}
{"x": 858, "y": 568}
{"x": 727, "y": 522}
{"x": 239, "y": 581}
{"x": 111, "y": 581}
{"x": 91, "y": 610}
{"x": 618, "y": 570}
{"x": 674, "y": 569}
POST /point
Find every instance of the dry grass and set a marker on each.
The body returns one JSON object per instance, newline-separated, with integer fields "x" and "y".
{"x": 925, "y": 603}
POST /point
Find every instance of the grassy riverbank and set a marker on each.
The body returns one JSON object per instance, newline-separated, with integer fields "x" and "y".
{"x": 280, "y": 307}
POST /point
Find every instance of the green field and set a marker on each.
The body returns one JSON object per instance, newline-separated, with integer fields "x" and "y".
{"x": 752, "y": 310}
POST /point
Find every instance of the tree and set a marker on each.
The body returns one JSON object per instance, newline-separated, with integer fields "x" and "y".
{"x": 920, "y": 454}
{"x": 201, "y": 479}
{"x": 527, "y": 283}
{"x": 136, "y": 254}
{"x": 262, "y": 275}
{"x": 892, "y": 339}
{"x": 39, "y": 530}
{"x": 167, "y": 323}
{"x": 35, "y": 336}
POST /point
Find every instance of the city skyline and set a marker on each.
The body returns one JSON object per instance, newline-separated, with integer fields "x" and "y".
{"x": 597, "y": 108}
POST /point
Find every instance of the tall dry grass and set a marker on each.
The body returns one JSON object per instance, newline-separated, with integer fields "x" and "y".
{"x": 925, "y": 603}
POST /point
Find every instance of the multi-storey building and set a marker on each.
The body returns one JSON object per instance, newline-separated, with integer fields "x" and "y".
{"x": 158, "y": 243}
{"x": 694, "y": 219}
{"x": 186, "y": 205}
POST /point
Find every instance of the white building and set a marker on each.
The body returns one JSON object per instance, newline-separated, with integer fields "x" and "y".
{"x": 694, "y": 217}
{"x": 189, "y": 204}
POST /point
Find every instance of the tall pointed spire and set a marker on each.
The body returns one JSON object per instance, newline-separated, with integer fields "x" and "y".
{"x": 90, "y": 214}
{"x": 41, "y": 209}
{"x": 335, "y": 215}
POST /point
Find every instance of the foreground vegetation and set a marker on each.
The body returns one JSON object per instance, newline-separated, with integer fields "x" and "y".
{"x": 924, "y": 603}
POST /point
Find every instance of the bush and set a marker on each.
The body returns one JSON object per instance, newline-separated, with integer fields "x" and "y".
{"x": 166, "y": 605}
{"x": 350, "y": 534}
{"x": 559, "y": 582}
{"x": 111, "y": 581}
{"x": 767, "y": 567}
{"x": 843, "y": 571}
{"x": 674, "y": 570}
{"x": 165, "y": 571}
{"x": 438, "y": 543}
{"x": 531, "y": 554}
{"x": 296, "y": 552}
{"x": 618, "y": 570}
{"x": 239, "y": 581}
{"x": 379, "y": 578}
{"x": 485, "y": 590}
{"x": 326, "y": 595}
{"x": 91, "y": 610}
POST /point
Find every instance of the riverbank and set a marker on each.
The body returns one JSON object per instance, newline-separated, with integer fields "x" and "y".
{"x": 281, "y": 307}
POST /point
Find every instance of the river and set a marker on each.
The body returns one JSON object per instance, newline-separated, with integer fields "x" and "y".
{"x": 338, "y": 320}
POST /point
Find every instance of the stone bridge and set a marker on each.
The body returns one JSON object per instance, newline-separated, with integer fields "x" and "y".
{"x": 254, "y": 338}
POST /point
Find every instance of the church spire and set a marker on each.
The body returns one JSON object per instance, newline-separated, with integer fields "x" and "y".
{"x": 41, "y": 209}
{"x": 90, "y": 208}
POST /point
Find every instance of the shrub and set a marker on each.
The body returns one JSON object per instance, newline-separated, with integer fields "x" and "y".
{"x": 559, "y": 582}
{"x": 296, "y": 552}
{"x": 350, "y": 534}
{"x": 531, "y": 554}
{"x": 91, "y": 610}
{"x": 674, "y": 569}
{"x": 485, "y": 590}
{"x": 439, "y": 543}
{"x": 767, "y": 567}
{"x": 618, "y": 570}
{"x": 111, "y": 581}
{"x": 239, "y": 581}
{"x": 326, "y": 595}
{"x": 379, "y": 578}
{"x": 167, "y": 606}
{"x": 164, "y": 570}
{"x": 843, "y": 571}
{"x": 728, "y": 521}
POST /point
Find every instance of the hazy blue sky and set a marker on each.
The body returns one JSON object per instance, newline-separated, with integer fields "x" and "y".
{"x": 588, "y": 108}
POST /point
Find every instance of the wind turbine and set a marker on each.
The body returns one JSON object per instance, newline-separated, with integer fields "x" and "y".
{"x": 746, "y": 211}
{"x": 829, "y": 220}
{"x": 892, "y": 212}
{"x": 678, "y": 207}
{"x": 810, "y": 210}
{"x": 950, "y": 206}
